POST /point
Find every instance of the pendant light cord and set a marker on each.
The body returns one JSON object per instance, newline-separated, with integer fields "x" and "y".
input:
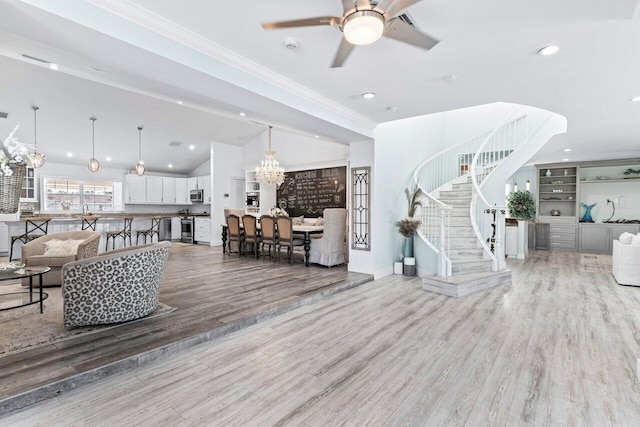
{"x": 270, "y": 127}
{"x": 93, "y": 137}
{"x": 35, "y": 129}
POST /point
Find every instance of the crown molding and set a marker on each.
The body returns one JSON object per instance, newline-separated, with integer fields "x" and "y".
{"x": 143, "y": 17}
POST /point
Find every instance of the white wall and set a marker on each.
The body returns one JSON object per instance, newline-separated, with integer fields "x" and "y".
{"x": 399, "y": 147}
{"x": 625, "y": 193}
{"x": 227, "y": 164}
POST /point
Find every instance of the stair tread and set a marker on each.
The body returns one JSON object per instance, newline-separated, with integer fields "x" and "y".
{"x": 460, "y": 278}
{"x": 469, "y": 260}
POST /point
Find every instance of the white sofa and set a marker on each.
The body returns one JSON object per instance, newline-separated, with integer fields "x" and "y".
{"x": 626, "y": 263}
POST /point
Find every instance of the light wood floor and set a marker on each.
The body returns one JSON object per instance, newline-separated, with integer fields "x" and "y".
{"x": 557, "y": 347}
{"x": 211, "y": 291}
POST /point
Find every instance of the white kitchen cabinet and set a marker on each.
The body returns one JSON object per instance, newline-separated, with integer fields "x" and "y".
{"x": 176, "y": 227}
{"x": 182, "y": 193}
{"x": 192, "y": 183}
{"x": 4, "y": 238}
{"x": 154, "y": 189}
{"x": 168, "y": 190}
{"x": 206, "y": 186}
{"x": 136, "y": 189}
{"x": 202, "y": 229}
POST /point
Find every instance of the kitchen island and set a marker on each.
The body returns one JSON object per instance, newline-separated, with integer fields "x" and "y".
{"x": 105, "y": 222}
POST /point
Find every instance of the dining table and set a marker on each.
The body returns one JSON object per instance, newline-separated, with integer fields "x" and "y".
{"x": 306, "y": 231}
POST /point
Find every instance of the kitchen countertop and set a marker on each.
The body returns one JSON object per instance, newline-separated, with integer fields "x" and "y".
{"x": 109, "y": 215}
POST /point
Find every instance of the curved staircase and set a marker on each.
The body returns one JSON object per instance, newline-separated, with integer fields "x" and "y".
{"x": 460, "y": 201}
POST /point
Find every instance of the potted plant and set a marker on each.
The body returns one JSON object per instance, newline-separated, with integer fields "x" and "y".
{"x": 277, "y": 212}
{"x": 409, "y": 225}
{"x": 14, "y": 158}
{"x": 521, "y": 205}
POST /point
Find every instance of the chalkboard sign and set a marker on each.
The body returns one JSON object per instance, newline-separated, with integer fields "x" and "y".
{"x": 309, "y": 192}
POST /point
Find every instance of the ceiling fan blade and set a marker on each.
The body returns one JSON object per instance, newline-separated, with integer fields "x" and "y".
{"x": 363, "y": 5}
{"x": 321, "y": 20}
{"x": 399, "y": 30}
{"x": 348, "y": 6}
{"x": 397, "y": 7}
{"x": 342, "y": 54}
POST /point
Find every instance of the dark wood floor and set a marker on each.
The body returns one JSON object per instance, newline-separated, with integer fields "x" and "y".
{"x": 215, "y": 294}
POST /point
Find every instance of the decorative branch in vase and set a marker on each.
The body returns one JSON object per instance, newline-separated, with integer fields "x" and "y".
{"x": 409, "y": 226}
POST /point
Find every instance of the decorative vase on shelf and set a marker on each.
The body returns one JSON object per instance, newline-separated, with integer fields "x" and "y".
{"x": 587, "y": 212}
{"x": 407, "y": 250}
{"x": 548, "y": 172}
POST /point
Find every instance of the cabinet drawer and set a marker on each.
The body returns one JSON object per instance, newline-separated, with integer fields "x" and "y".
{"x": 562, "y": 229}
{"x": 563, "y": 220}
{"x": 558, "y": 237}
{"x": 563, "y": 244}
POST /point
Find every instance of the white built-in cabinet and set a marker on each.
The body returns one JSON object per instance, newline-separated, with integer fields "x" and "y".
{"x": 168, "y": 190}
{"x": 136, "y": 189}
{"x": 176, "y": 227}
{"x": 148, "y": 189}
{"x": 202, "y": 230}
{"x": 182, "y": 193}
{"x": 154, "y": 189}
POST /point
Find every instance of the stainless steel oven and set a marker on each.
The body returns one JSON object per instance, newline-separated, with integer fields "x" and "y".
{"x": 186, "y": 225}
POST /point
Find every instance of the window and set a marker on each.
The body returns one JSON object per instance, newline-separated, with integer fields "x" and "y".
{"x": 72, "y": 195}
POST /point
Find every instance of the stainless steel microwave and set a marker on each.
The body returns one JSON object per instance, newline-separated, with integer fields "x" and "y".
{"x": 196, "y": 195}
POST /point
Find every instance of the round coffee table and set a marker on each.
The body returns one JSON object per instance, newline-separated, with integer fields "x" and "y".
{"x": 13, "y": 300}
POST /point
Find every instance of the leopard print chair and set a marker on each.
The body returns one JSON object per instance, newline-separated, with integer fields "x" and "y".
{"x": 114, "y": 287}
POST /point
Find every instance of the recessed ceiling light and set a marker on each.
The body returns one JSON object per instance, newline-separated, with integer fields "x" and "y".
{"x": 108, "y": 158}
{"x": 549, "y": 50}
{"x": 192, "y": 147}
{"x": 636, "y": 98}
{"x": 368, "y": 95}
{"x": 242, "y": 114}
{"x": 53, "y": 66}
{"x": 180, "y": 102}
{"x": 69, "y": 154}
{"x": 170, "y": 165}
{"x": 565, "y": 160}
{"x": 567, "y": 150}
{"x": 316, "y": 136}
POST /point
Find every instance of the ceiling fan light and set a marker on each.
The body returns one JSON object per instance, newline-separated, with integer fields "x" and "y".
{"x": 364, "y": 27}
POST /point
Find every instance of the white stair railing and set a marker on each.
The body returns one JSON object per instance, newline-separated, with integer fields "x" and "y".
{"x": 488, "y": 219}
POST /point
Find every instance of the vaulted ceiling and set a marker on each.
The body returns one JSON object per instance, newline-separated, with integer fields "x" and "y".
{"x": 130, "y": 61}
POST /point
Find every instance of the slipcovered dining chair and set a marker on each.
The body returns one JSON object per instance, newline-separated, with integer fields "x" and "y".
{"x": 286, "y": 237}
{"x": 251, "y": 232}
{"x": 269, "y": 235}
{"x": 329, "y": 249}
{"x": 235, "y": 233}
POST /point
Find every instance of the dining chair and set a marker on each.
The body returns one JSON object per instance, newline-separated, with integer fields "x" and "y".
{"x": 286, "y": 237}
{"x": 235, "y": 233}
{"x": 150, "y": 232}
{"x": 251, "y": 233}
{"x": 269, "y": 235}
{"x": 124, "y": 233}
{"x": 33, "y": 228}
{"x": 330, "y": 250}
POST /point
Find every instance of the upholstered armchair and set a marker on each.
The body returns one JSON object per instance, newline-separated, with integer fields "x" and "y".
{"x": 329, "y": 249}
{"x": 56, "y": 249}
{"x": 117, "y": 286}
{"x": 626, "y": 263}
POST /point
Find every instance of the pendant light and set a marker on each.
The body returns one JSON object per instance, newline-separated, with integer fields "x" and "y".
{"x": 140, "y": 164}
{"x": 37, "y": 159}
{"x": 94, "y": 164}
{"x": 269, "y": 173}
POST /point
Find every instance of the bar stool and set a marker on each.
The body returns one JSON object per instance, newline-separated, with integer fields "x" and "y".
{"x": 154, "y": 230}
{"x": 33, "y": 228}
{"x": 89, "y": 222}
{"x": 124, "y": 233}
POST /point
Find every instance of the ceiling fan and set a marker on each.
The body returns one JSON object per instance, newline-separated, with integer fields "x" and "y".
{"x": 364, "y": 22}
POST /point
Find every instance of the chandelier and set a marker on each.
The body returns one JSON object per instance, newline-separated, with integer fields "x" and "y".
{"x": 269, "y": 173}
{"x": 139, "y": 168}
{"x": 37, "y": 159}
{"x": 94, "y": 164}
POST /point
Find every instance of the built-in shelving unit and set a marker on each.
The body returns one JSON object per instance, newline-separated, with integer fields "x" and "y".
{"x": 557, "y": 191}
{"x": 252, "y": 193}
